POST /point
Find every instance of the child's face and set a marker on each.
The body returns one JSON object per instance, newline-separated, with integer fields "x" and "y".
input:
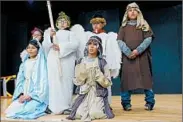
{"x": 32, "y": 51}
{"x": 97, "y": 26}
{"x": 37, "y": 35}
{"x": 62, "y": 24}
{"x": 132, "y": 14}
{"x": 93, "y": 48}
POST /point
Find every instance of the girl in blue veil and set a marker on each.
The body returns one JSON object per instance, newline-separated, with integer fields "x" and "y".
{"x": 30, "y": 98}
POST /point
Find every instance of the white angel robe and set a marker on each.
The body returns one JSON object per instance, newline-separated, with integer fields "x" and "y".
{"x": 61, "y": 65}
{"x": 111, "y": 50}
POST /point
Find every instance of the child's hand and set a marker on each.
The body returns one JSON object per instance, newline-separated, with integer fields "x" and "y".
{"x": 101, "y": 79}
{"x": 134, "y": 54}
{"x": 24, "y": 98}
{"x": 27, "y": 98}
{"x": 52, "y": 32}
{"x": 56, "y": 47}
{"x": 21, "y": 99}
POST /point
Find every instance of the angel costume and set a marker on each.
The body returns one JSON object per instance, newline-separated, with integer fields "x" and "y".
{"x": 92, "y": 77}
{"x": 35, "y": 33}
{"x": 61, "y": 65}
{"x": 111, "y": 50}
{"x": 32, "y": 80}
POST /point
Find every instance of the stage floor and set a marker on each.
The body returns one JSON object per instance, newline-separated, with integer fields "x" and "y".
{"x": 168, "y": 108}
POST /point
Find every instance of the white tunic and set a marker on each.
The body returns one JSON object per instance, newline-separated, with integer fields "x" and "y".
{"x": 29, "y": 65}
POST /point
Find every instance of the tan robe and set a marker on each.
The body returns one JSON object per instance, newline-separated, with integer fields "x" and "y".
{"x": 87, "y": 74}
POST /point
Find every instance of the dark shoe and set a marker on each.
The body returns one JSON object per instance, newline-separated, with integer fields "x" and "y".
{"x": 149, "y": 106}
{"x": 127, "y": 107}
{"x": 48, "y": 111}
{"x": 67, "y": 112}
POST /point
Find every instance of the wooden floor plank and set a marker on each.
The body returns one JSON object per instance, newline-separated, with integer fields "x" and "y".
{"x": 168, "y": 108}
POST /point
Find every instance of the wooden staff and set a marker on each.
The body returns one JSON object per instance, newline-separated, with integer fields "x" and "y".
{"x": 51, "y": 20}
{"x": 53, "y": 54}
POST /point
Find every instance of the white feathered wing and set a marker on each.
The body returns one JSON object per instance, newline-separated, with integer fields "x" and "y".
{"x": 82, "y": 37}
{"x": 113, "y": 54}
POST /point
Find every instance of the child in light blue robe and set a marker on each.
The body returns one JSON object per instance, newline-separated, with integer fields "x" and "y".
{"x": 30, "y": 98}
